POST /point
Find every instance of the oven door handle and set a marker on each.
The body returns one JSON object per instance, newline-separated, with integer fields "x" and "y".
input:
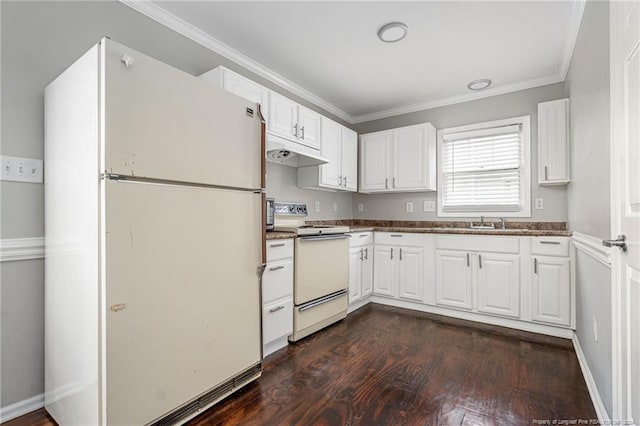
{"x": 322, "y": 300}
{"x": 324, "y": 237}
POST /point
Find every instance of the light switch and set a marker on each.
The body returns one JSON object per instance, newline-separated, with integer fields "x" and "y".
{"x": 429, "y": 206}
{"x": 316, "y": 206}
{"x": 360, "y": 207}
{"x": 409, "y": 207}
{"x": 335, "y": 207}
{"x": 539, "y": 203}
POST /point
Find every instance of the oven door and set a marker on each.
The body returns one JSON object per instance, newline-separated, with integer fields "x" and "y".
{"x": 321, "y": 266}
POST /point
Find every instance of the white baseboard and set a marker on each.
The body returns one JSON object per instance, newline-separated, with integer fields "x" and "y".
{"x": 601, "y": 412}
{"x": 21, "y": 249}
{"x": 359, "y": 304}
{"x": 21, "y": 408}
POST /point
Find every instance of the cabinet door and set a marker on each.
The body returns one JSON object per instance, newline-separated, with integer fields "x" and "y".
{"x": 384, "y": 270}
{"x": 350, "y": 159}
{"x": 247, "y": 89}
{"x": 331, "y": 174}
{"x": 499, "y": 284}
{"x": 309, "y": 127}
{"x": 411, "y": 273}
{"x": 283, "y": 117}
{"x": 553, "y": 142}
{"x": 356, "y": 256}
{"x": 453, "y": 279}
{"x": 367, "y": 271}
{"x": 551, "y": 290}
{"x": 374, "y": 156}
{"x": 409, "y": 154}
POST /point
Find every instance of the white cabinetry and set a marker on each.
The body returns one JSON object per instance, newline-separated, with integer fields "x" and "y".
{"x": 239, "y": 85}
{"x": 553, "y": 142}
{"x": 291, "y": 121}
{"x": 493, "y": 277}
{"x": 277, "y": 296}
{"x": 340, "y": 146}
{"x": 360, "y": 266}
{"x": 402, "y": 159}
{"x": 399, "y": 268}
{"x": 550, "y": 281}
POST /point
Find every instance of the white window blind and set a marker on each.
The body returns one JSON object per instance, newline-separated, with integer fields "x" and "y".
{"x": 482, "y": 170}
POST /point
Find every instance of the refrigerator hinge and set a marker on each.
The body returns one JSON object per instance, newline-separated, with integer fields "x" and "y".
{"x": 260, "y": 269}
{"x": 259, "y": 191}
{"x": 110, "y": 176}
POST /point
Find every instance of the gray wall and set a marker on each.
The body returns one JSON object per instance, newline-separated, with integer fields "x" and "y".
{"x": 588, "y": 193}
{"x": 392, "y": 206}
{"x": 39, "y": 40}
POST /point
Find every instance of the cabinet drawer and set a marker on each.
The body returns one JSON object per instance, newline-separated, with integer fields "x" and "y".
{"x": 279, "y": 249}
{"x": 277, "y": 319}
{"x": 479, "y": 243}
{"x": 399, "y": 238}
{"x": 277, "y": 281}
{"x": 361, "y": 239}
{"x": 550, "y": 246}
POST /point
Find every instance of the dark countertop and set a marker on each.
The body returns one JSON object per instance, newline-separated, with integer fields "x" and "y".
{"x": 277, "y": 235}
{"x": 467, "y": 231}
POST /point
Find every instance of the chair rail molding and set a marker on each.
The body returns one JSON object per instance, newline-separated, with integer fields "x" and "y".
{"x": 12, "y": 249}
{"x": 592, "y": 246}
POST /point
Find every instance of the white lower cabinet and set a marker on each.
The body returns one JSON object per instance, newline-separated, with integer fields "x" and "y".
{"x": 499, "y": 284}
{"x": 384, "y": 271}
{"x": 360, "y": 266}
{"x": 453, "y": 279}
{"x": 551, "y": 290}
{"x": 399, "y": 269}
{"x": 410, "y": 273}
{"x": 277, "y": 296}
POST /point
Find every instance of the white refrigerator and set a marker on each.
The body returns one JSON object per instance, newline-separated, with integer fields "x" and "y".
{"x": 154, "y": 241}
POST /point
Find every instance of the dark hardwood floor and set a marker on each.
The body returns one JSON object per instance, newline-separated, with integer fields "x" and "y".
{"x": 389, "y": 366}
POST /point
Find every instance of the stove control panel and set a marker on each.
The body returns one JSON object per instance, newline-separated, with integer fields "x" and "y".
{"x": 296, "y": 209}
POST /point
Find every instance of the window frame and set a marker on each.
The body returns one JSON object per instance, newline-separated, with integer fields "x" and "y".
{"x": 525, "y": 165}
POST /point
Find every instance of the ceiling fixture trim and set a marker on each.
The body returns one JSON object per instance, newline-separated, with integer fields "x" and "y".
{"x": 389, "y": 32}
{"x": 162, "y": 16}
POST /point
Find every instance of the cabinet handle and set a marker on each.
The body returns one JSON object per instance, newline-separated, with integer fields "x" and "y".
{"x": 276, "y": 309}
{"x": 363, "y": 235}
{"x": 468, "y": 263}
{"x": 391, "y": 253}
{"x": 295, "y": 130}
{"x": 345, "y": 181}
{"x": 302, "y": 132}
{"x": 395, "y": 235}
{"x": 400, "y": 254}
{"x": 276, "y": 245}
{"x": 366, "y": 253}
{"x": 546, "y": 173}
{"x": 480, "y": 261}
{"x": 393, "y": 184}
{"x": 386, "y": 183}
{"x": 535, "y": 265}
{"x": 276, "y": 268}
{"x": 550, "y": 242}
{"x": 339, "y": 180}
{"x": 361, "y": 254}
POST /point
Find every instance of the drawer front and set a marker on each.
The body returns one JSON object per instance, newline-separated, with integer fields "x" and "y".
{"x": 277, "y": 319}
{"x": 550, "y": 246}
{"x": 361, "y": 239}
{"x": 481, "y": 243}
{"x": 277, "y": 281}
{"x": 399, "y": 238}
{"x": 279, "y": 249}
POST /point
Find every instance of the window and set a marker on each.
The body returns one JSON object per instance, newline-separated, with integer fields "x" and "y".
{"x": 484, "y": 169}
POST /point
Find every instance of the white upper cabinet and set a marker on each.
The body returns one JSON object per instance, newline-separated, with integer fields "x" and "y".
{"x": 553, "y": 142}
{"x": 309, "y": 127}
{"x": 402, "y": 159}
{"x": 339, "y": 146}
{"x": 239, "y": 85}
{"x": 283, "y": 117}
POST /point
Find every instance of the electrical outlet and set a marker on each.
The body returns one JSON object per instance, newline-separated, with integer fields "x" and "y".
{"x": 409, "y": 207}
{"x": 595, "y": 329}
{"x": 316, "y": 206}
{"x": 429, "y": 206}
{"x": 335, "y": 207}
{"x": 21, "y": 169}
{"x": 360, "y": 207}
{"x": 539, "y": 203}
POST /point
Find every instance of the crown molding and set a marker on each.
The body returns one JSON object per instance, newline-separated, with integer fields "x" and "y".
{"x": 169, "y": 20}
{"x": 459, "y": 99}
{"x": 164, "y": 17}
{"x": 574, "y": 30}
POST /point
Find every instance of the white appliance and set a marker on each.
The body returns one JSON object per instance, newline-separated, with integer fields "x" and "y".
{"x": 321, "y": 270}
{"x": 152, "y": 309}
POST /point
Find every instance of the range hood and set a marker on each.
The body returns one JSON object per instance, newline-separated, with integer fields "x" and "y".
{"x": 292, "y": 154}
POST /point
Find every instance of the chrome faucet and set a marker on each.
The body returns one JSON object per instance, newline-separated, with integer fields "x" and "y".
{"x": 503, "y": 224}
{"x": 481, "y": 220}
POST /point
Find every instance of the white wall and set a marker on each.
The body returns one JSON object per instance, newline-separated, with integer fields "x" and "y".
{"x": 588, "y": 193}
{"x": 514, "y": 104}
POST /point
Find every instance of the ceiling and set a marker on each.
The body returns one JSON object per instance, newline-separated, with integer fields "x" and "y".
{"x": 328, "y": 51}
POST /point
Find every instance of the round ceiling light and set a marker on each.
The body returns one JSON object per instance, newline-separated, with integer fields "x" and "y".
{"x": 392, "y": 32}
{"x": 481, "y": 84}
